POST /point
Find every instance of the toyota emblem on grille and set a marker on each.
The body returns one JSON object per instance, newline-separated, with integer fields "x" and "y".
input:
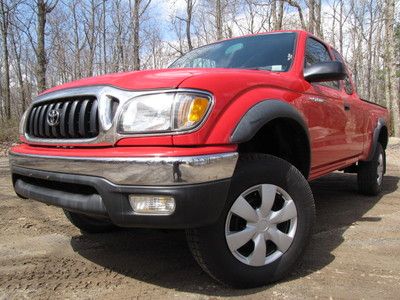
{"x": 53, "y": 117}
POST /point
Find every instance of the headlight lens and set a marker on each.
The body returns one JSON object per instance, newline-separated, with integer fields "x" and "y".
{"x": 164, "y": 112}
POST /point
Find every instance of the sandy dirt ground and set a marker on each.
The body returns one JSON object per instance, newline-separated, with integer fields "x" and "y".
{"x": 354, "y": 252}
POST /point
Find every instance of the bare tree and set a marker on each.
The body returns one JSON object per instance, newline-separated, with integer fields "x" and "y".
{"x": 104, "y": 35}
{"x": 279, "y": 19}
{"x": 340, "y": 18}
{"x": 391, "y": 93}
{"x": 119, "y": 48}
{"x": 295, "y": 4}
{"x": 311, "y": 15}
{"x": 91, "y": 31}
{"x": 189, "y": 16}
{"x": 187, "y": 19}
{"x": 4, "y": 27}
{"x": 16, "y": 45}
{"x": 139, "y": 8}
{"x": 274, "y": 15}
{"x": 136, "y": 32}
{"x": 219, "y": 19}
{"x": 78, "y": 41}
{"x": 178, "y": 45}
{"x": 318, "y": 18}
{"x": 257, "y": 17}
{"x": 44, "y": 7}
{"x": 368, "y": 35}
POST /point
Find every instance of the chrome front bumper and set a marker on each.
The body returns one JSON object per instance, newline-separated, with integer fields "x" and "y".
{"x": 138, "y": 171}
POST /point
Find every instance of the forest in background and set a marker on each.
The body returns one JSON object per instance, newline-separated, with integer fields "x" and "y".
{"x": 49, "y": 42}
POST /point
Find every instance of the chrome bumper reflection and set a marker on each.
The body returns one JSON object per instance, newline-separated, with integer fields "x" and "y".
{"x": 137, "y": 171}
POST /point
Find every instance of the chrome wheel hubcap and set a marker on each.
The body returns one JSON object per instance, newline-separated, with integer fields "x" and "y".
{"x": 379, "y": 175}
{"x": 261, "y": 225}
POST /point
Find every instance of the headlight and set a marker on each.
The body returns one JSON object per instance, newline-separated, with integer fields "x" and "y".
{"x": 22, "y": 123}
{"x": 164, "y": 112}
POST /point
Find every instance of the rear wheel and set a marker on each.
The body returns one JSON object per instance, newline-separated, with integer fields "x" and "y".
{"x": 264, "y": 228}
{"x": 89, "y": 224}
{"x": 370, "y": 173}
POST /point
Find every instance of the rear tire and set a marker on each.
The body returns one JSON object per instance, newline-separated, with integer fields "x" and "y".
{"x": 270, "y": 187}
{"x": 89, "y": 224}
{"x": 370, "y": 173}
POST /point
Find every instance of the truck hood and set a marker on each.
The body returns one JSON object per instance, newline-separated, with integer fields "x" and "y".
{"x": 136, "y": 80}
{"x": 210, "y": 79}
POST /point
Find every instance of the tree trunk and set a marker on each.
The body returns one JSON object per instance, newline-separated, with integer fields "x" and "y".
{"x": 311, "y": 16}
{"x": 273, "y": 13}
{"x": 341, "y": 28}
{"x": 392, "y": 92}
{"x": 76, "y": 38}
{"x": 4, "y": 39}
{"x": 295, "y": 4}
{"x": 120, "y": 61}
{"x": 91, "y": 36}
{"x": 317, "y": 16}
{"x": 104, "y": 38}
{"x": 218, "y": 19}
{"x": 136, "y": 36}
{"x": 369, "y": 61}
{"x": 280, "y": 15}
{"x": 41, "y": 51}
{"x": 18, "y": 68}
{"x": 189, "y": 12}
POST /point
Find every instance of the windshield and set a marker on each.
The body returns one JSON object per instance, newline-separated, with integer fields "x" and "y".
{"x": 273, "y": 52}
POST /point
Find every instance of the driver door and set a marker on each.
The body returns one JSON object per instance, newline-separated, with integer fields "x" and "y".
{"x": 322, "y": 105}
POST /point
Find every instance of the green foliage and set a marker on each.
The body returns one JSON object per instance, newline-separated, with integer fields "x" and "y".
{"x": 9, "y": 131}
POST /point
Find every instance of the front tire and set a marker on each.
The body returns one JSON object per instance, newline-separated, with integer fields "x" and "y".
{"x": 264, "y": 228}
{"x": 89, "y": 224}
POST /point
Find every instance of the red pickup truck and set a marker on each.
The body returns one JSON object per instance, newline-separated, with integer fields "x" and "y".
{"x": 222, "y": 144}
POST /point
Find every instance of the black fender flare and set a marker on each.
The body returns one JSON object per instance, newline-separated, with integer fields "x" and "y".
{"x": 262, "y": 113}
{"x": 377, "y": 131}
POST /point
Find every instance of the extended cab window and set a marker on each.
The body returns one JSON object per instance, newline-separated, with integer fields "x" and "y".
{"x": 272, "y": 52}
{"x": 348, "y": 87}
{"x": 316, "y": 52}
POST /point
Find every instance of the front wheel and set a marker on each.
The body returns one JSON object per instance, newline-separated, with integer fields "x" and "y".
{"x": 264, "y": 228}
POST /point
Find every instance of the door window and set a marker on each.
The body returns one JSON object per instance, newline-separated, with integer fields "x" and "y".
{"x": 348, "y": 87}
{"x": 316, "y": 52}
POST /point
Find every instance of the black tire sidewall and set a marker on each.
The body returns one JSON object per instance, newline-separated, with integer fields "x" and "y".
{"x": 367, "y": 172}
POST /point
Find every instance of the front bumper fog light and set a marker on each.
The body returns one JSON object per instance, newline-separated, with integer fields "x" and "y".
{"x": 152, "y": 204}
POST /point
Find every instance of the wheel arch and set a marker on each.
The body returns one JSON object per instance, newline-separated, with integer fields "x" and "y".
{"x": 277, "y": 128}
{"x": 380, "y": 135}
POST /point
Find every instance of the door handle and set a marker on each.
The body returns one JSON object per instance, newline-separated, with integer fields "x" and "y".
{"x": 347, "y": 106}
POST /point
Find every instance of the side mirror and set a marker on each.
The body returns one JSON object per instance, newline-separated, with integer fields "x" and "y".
{"x": 325, "y": 71}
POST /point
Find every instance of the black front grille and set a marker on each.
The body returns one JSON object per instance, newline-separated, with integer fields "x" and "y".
{"x": 72, "y": 118}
